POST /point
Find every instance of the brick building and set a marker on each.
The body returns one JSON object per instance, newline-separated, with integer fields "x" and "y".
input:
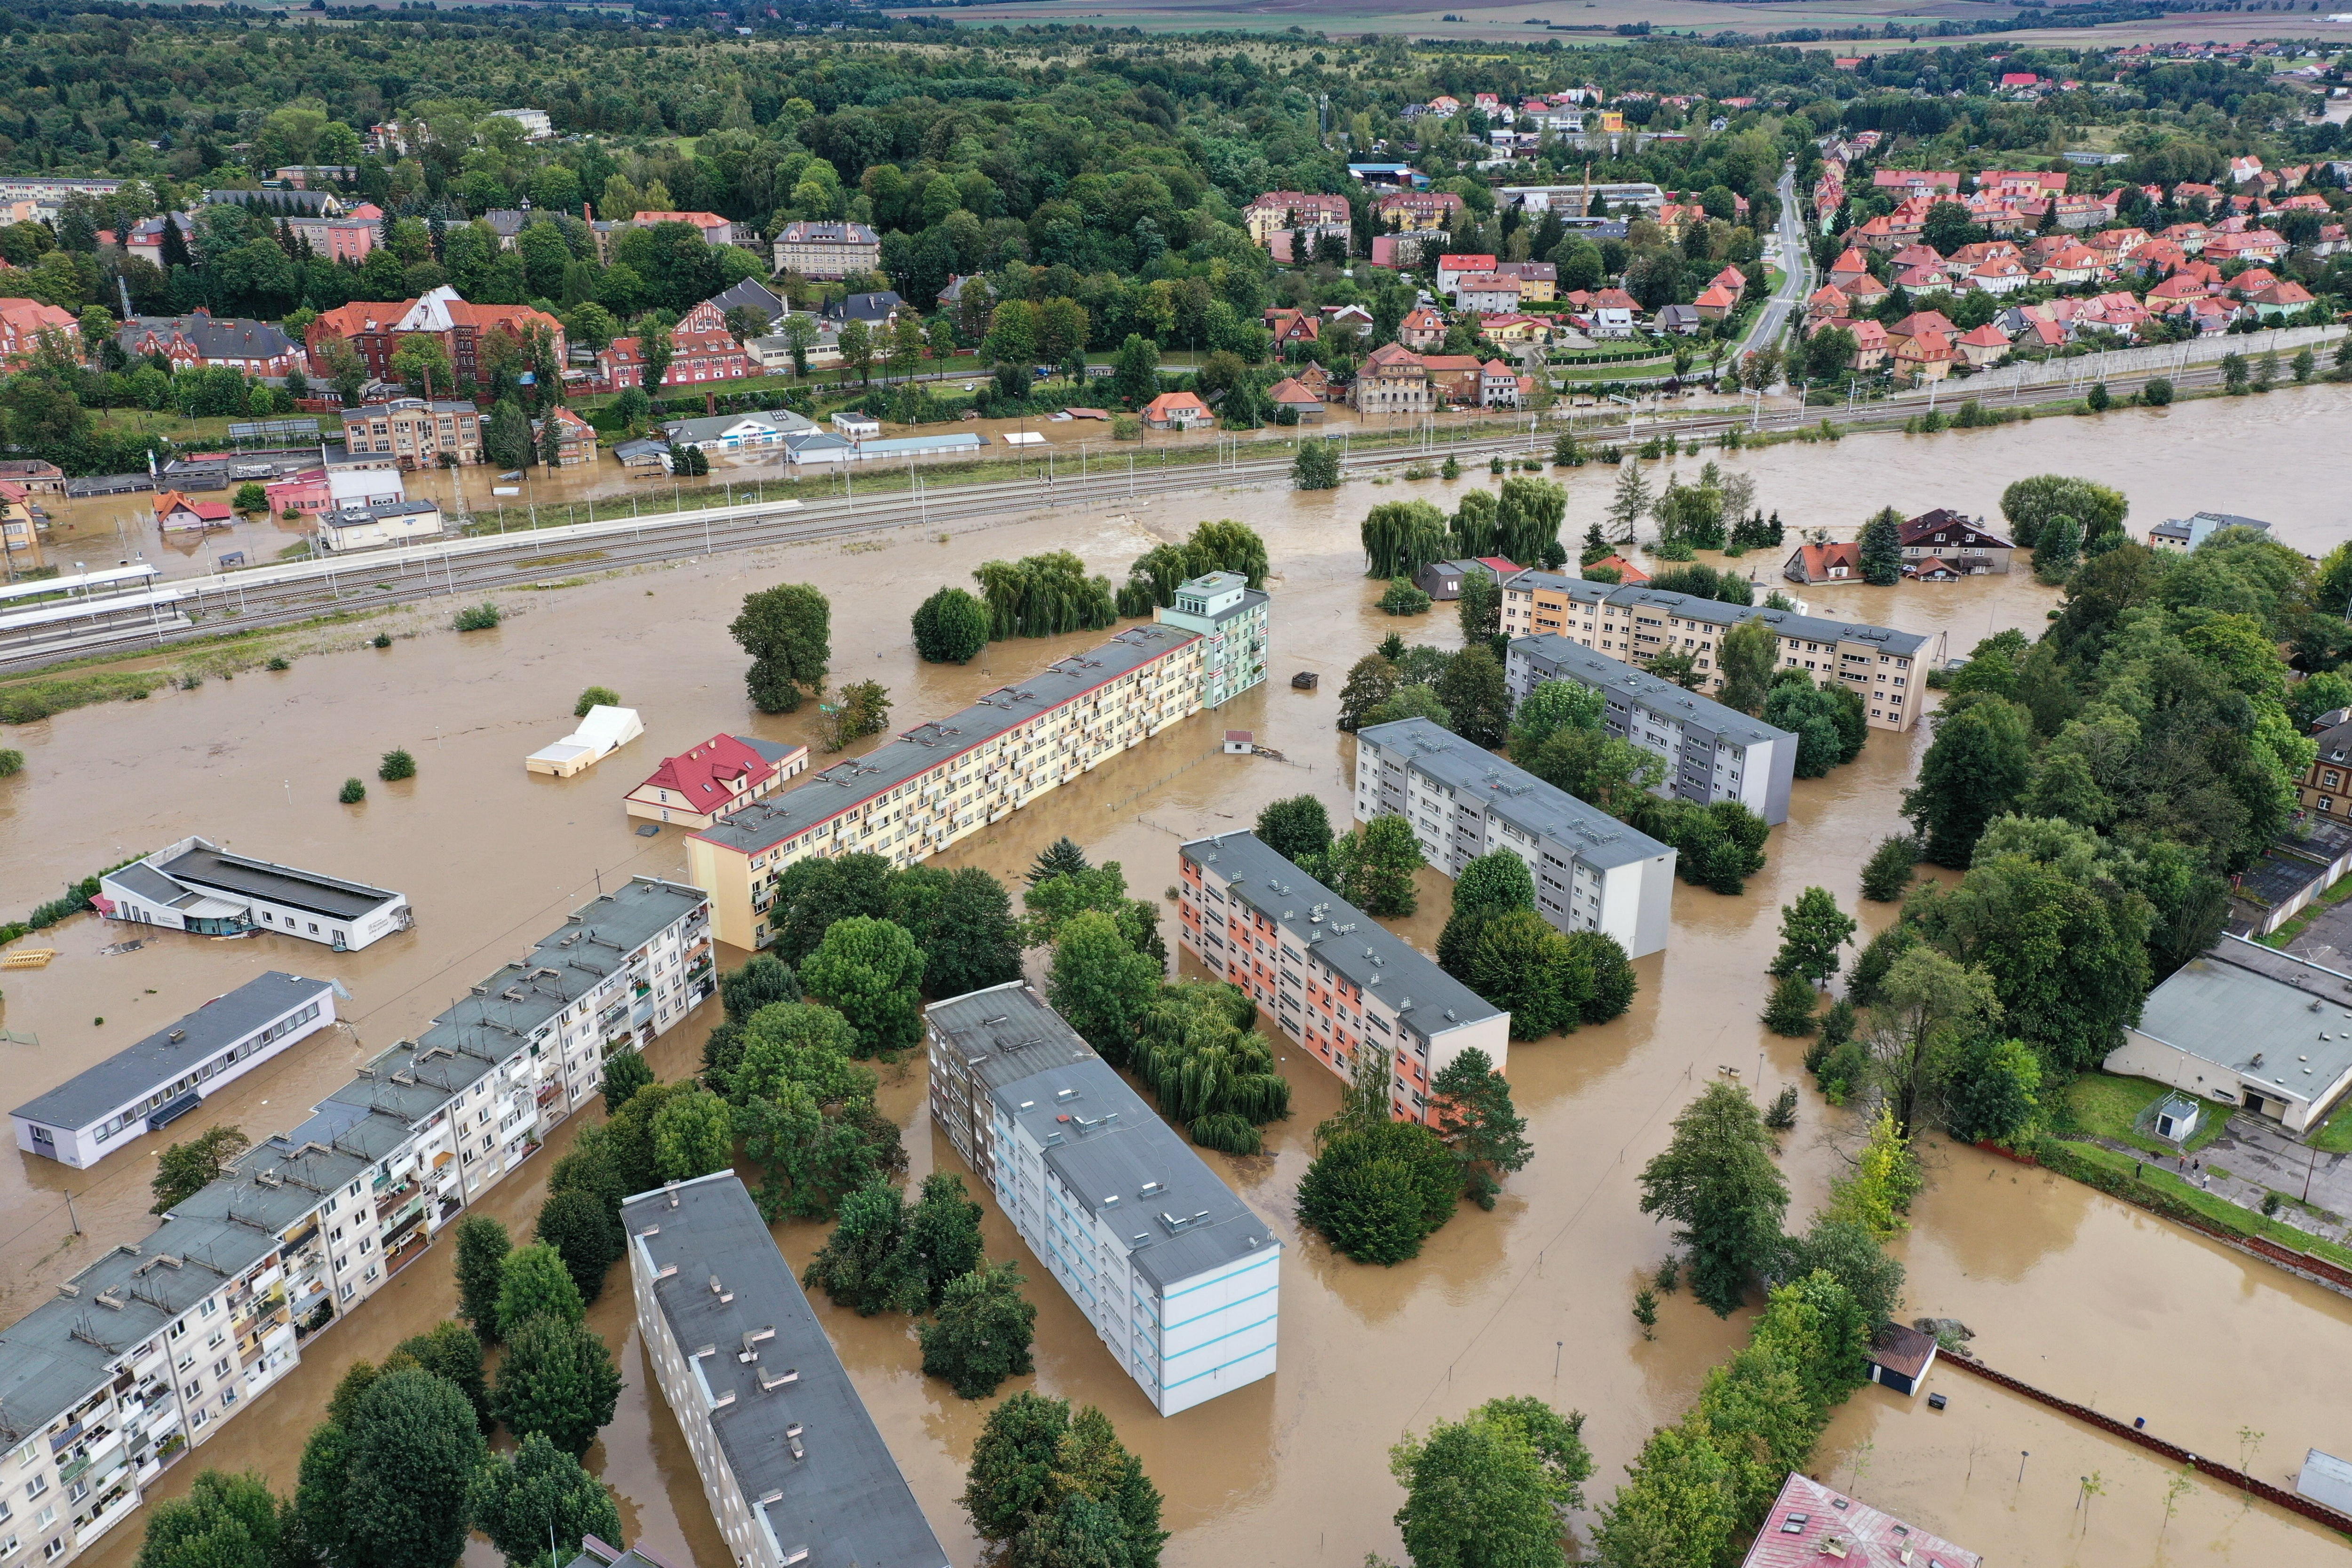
{"x": 376, "y": 330}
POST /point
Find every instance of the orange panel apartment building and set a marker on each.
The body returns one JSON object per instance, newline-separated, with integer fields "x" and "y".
{"x": 1333, "y": 979}
{"x": 1888, "y": 668}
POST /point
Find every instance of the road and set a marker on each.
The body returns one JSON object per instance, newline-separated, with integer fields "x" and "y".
{"x": 1797, "y": 272}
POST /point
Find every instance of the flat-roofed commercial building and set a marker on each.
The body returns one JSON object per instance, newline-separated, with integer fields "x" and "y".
{"x": 163, "y": 1077}
{"x": 1329, "y": 975}
{"x": 197, "y": 885}
{"x": 1592, "y": 871}
{"x": 947, "y": 778}
{"x": 145, "y": 1353}
{"x": 1888, "y": 669}
{"x": 2248, "y": 1026}
{"x": 1712, "y": 753}
{"x": 791, "y": 1464}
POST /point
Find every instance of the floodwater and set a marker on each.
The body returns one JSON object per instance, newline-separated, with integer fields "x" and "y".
{"x": 2063, "y": 1287}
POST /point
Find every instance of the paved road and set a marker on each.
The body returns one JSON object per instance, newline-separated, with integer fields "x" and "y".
{"x": 1797, "y": 271}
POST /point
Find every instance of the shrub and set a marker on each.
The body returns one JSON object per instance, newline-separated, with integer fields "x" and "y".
{"x": 380, "y": 639}
{"x": 596, "y": 697}
{"x": 481, "y": 617}
{"x": 2158, "y": 393}
{"x": 12, "y": 762}
{"x": 1403, "y": 599}
{"x": 397, "y": 765}
{"x": 352, "y": 792}
{"x": 278, "y": 661}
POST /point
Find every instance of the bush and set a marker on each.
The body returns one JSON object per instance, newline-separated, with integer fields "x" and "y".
{"x": 397, "y": 765}
{"x": 2158, "y": 393}
{"x": 481, "y": 617}
{"x": 12, "y": 762}
{"x": 595, "y": 697}
{"x": 352, "y": 792}
{"x": 380, "y": 639}
{"x": 278, "y": 661}
{"x": 1403, "y": 599}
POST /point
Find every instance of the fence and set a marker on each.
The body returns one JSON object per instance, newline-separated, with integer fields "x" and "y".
{"x": 2293, "y": 1502}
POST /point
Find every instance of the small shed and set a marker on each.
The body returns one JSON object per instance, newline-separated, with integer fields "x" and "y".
{"x": 2326, "y": 1480}
{"x": 1240, "y": 742}
{"x": 604, "y": 731}
{"x": 1443, "y": 579}
{"x": 1900, "y": 1357}
{"x": 2174, "y": 1117}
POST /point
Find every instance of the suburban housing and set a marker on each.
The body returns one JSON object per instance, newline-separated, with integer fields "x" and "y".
{"x": 1333, "y": 978}
{"x": 792, "y": 1465}
{"x": 1179, "y": 1278}
{"x": 165, "y": 1075}
{"x": 197, "y": 885}
{"x": 1592, "y": 871}
{"x": 1712, "y": 753}
{"x": 144, "y": 1353}
{"x": 2247, "y": 1026}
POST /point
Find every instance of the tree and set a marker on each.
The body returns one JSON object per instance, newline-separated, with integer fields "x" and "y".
{"x": 1614, "y": 984}
{"x": 951, "y": 627}
{"x": 1747, "y": 657}
{"x": 1924, "y": 1008}
{"x": 539, "y": 1496}
{"x": 1100, "y": 984}
{"x": 970, "y": 939}
{"x": 1317, "y": 467}
{"x": 1630, "y": 504}
{"x": 1852, "y": 1257}
{"x": 1378, "y": 1190}
{"x": 693, "y": 1136}
{"x": 1487, "y": 885}
{"x": 816, "y": 893}
{"x": 1790, "y": 1010}
{"x": 787, "y": 630}
{"x": 1891, "y": 869}
{"x": 1372, "y": 866}
{"x": 1401, "y": 537}
{"x": 1298, "y": 829}
{"x": 1480, "y": 608}
{"x": 1472, "y": 1104}
{"x": 586, "y": 1234}
{"x": 764, "y": 979}
{"x": 533, "y": 1283}
{"x": 1518, "y": 962}
{"x": 1473, "y": 691}
{"x": 1980, "y": 761}
{"x": 1717, "y": 1181}
{"x": 856, "y": 344}
{"x": 982, "y": 1332}
{"x": 184, "y": 1170}
{"x": 224, "y": 1521}
{"x": 409, "y": 1453}
{"x": 482, "y": 1248}
{"x": 506, "y": 436}
{"x": 1992, "y": 1090}
{"x": 1812, "y": 930}
{"x": 1135, "y": 371}
{"x": 942, "y": 1236}
{"x": 1882, "y": 549}
{"x": 870, "y": 972}
{"x": 864, "y": 1263}
{"x": 420, "y": 362}
{"x": 2030, "y": 503}
{"x": 346, "y": 371}
{"x": 1372, "y": 681}
{"x": 2058, "y": 551}
{"x": 1490, "y": 1490}
{"x": 860, "y": 709}
{"x": 251, "y": 500}
{"x": 1034, "y": 1459}
{"x": 556, "y": 1380}
{"x": 1874, "y": 1195}
{"x": 595, "y": 697}
{"x": 1553, "y": 706}
{"x": 625, "y": 1072}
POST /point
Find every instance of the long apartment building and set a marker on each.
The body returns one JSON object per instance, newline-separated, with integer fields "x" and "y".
{"x": 1179, "y": 1278}
{"x": 1592, "y": 871}
{"x": 1712, "y": 753}
{"x": 947, "y": 778}
{"x": 1888, "y": 668}
{"x": 1333, "y": 978}
{"x": 143, "y": 1354}
{"x": 791, "y": 1464}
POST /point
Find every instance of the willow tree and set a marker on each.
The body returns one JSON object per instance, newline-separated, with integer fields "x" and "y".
{"x": 1196, "y": 1050}
{"x": 1474, "y": 523}
{"x": 1527, "y": 518}
{"x": 1044, "y": 595}
{"x": 1401, "y": 537}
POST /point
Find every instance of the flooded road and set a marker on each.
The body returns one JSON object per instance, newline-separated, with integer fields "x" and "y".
{"x": 2063, "y": 1287}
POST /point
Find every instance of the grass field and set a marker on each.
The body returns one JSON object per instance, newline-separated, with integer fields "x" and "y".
{"x": 2105, "y": 1104}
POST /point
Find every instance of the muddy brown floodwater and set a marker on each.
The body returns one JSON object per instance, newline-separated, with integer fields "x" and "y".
{"x": 2063, "y": 1287}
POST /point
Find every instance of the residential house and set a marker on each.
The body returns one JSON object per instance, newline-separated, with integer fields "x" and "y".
{"x": 1983, "y": 345}
{"x": 1175, "y": 411}
{"x": 1297, "y": 212}
{"x": 1998, "y": 275}
{"x": 1922, "y": 280}
{"x": 1827, "y": 300}
{"x": 751, "y": 294}
{"x": 1486, "y": 292}
{"x": 2326, "y": 786}
{"x": 1628, "y": 574}
{"x": 1809, "y": 1524}
{"x": 202, "y": 338}
{"x": 702, "y": 350}
{"x": 1290, "y": 327}
{"x": 1538, "y": 280}
{"x": 1614, "y": 310}
{"x": 419, "y": 434}
{"x": 741, "y": 432}
{"x": 826, "y": 250}
{"x": 1393, "y": 380}
{"x": 575, "y": 438}
{"x": 714, "y": 780}
{"x": 178, "y": 513}
{"x": 2186, "y": 534}
{"x": 1291, "y": 393}
{"x": 1499, "y": 386}
{"x": 1923, "y": 356}
{"x": 1422, "y": 327}
{"x": 1833, "y": 563}
{"x": 1453, "y": 378}
{"x": 1715, "y": 303}
{"x": 374, "y": 330}
{"x": 2236, "y": 1024}
{"x": 1451, "y": 269}
{"x": 34, "y": 475}
{"x": 714, "y": 229}
{"x": 879, "y": 309}
{"x": 1967, "y": 544}
{"x": 1515, "y": 328}
{"x": 21, "y": 555}
{"x": 2281, "y": 299}
{"x": 23, "y": 322}
{"x": 1682, "y": 321}
{"x": 1869, "y": 344}
{"x": 1850, "y": 265}
{"x": 1413, "y": 211}
{"x": 536, "y": 125}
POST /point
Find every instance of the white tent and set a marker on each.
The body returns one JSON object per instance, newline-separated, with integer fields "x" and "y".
{"x": 604, "y": 731}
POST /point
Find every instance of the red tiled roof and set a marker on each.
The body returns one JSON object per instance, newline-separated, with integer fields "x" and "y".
{"x": 702, "y": 776}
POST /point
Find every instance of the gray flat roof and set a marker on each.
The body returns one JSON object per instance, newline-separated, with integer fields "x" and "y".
{"x": 1112, "y": 1145}
{"x": 207, "y": 867}
{"x": 763, "y": 826}
{"x": 1516, "y": 794}
{"x": 769, "y": 750}
{"x": 1691, "y": 607}
{"x": 1005, "y": 1032}
{"x": 1356, "y": 946}
{"x": 844, "y": 1497}
{"x": 1618, "y": 678}
{"x": 2239, "y": 1001}
{"x": 172, "y": 1052}
{"x": 142, "y": 878}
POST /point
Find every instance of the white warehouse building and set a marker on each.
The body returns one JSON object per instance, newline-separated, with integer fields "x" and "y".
{"x": 197, "y": 885}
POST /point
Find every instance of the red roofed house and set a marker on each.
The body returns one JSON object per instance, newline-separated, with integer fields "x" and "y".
{"x": 374, "y": 330}
{"x": 1414, "y": 210}
{"x": 1869, "y": 344}
{"x": 1302, "y": 400}
{"x": 715, "y": 779}
{"x": 701, "y": 348}
{"x": 575, "y": 438}
{"x": 1293, "y": 327}
{"x": 2255, "y": 245}
{"x": 1923, "y": 356}
{"x": 2018, "y": 79}
{"x": 1836, "y": 562}
{"x": 1827, "y": 300}
{"x": 1716, "y": 302}
{"x": 22, "y": 321}
{"x": 1731, "y": 280}
{"x": 1499, "y": 385}
{"x": 1850, "y": 265}
{"x": 1296, "y": 213}
{"x": 1984, "y": 346}
{"x": 1613, "y": 313}
{"x": 2179, "y": 286}
{"x": 1452, "y": 268}
{"x": 1393, "y": 380}
{"x": 2279, "y": 299}
{"x": 1923, "y": 281}
{"x": 2002, "y": 275}
{"x": 1918, "y": 321}
{"x": 1421, "y": 328}
{"x": 715, "y": 230}
{"x": 2074, "y": 264}
{"x": 1912, "y": 255}
{"x": 1175, "y": 411}
{"x": 1627, "y": 573}
{"x": 1916, "y": 181}
{"x": 177, "y": 513}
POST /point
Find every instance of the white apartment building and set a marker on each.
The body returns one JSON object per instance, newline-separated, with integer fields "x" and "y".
{"x": 142, "y": 1355}
{"x": 1888, "y": 669}
{"x": 197, "y": 885}
{"x": 1592, "y": 871}
{"x": 1712, "y": 753}
{"x": 947, "y": 778}
{"x": 160, "y": 1079}
{"x": 1333, "y": 978}
{"x": 1231, "y": 617}
{"x": 1181, "y": 1280}
{"x": 792, "y": 1465}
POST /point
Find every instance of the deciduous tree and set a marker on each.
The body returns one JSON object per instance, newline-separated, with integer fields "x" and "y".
{"x": 537, "y": 1496}
{"x": 787, "y": 630}
{"x": 557, "y": 1380}
{"x": 982, "y": 1332}
{"x": 1716, "y": 1180}
{"x": 870, "y": 972}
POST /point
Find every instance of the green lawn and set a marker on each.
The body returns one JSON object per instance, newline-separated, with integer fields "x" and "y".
{"x": 2211, "y": 1206}
{"x": 2106, "y": 1104}
{"x": 2334, "y": 1135}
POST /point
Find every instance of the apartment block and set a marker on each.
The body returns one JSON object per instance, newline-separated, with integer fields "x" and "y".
{"x": 1887, "y": 667}
{"x": 1181, "y": 1280}
{"x": 1712, "y": 753}
{"x": 142, "y": 1355}
{"x": 1231, "y": 617}
{"x": 791, "y": 1464}
{"x": 947, "y": 778}
{"x": 1592, "y": 871}
{"x": 827, "y": 249}
{"x": 1333, "y": 978}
